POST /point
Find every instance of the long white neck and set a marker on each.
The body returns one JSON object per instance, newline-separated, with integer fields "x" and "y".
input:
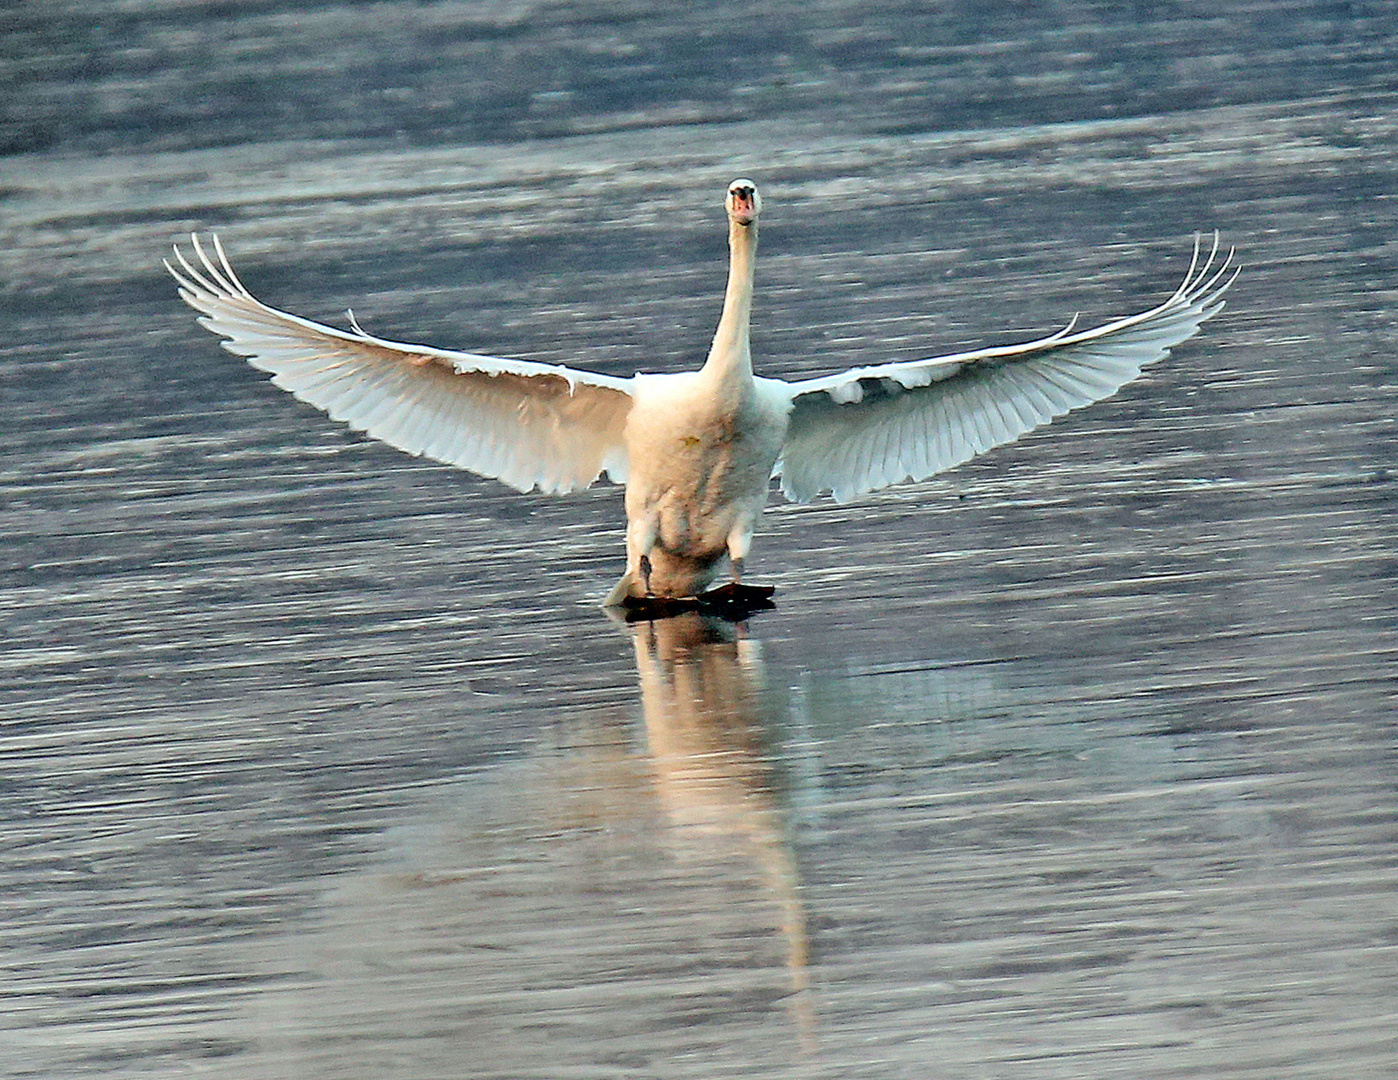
{"x": 730, "y": 356}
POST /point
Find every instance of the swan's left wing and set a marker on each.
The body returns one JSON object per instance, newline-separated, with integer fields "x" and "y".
{"x": 870, "y": 427}
{"x": 530, "y": 425}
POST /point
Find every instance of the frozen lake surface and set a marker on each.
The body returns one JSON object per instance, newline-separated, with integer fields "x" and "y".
{"x": 320, "y": 760}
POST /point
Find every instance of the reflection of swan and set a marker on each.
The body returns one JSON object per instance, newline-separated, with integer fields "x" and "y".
{"x": 704, "y": 696}
{"x": 695, "y": 450}
{"x": 602, "y": 901}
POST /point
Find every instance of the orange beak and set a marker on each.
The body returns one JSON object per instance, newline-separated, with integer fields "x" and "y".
{"x": 742, "y": 206}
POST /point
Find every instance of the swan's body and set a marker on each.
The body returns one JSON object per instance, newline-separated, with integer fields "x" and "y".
{"x": 696, "y": 451}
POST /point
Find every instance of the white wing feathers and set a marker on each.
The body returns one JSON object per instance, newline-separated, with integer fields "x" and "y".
{"x": 553, "y": 428}
{"x": 870, "y": 427}
{"x": 530, "y": 425}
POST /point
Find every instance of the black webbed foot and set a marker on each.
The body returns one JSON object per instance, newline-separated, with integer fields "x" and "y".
{"x": 737, "y": 595}
{"x": 733, "y": 602}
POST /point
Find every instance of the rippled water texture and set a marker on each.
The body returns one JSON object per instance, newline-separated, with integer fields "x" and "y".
{"x": 317, "y": 760}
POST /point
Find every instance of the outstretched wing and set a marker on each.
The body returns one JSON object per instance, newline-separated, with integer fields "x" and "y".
{"x": 870, "y": 427}
{"x": 529, "y": 425}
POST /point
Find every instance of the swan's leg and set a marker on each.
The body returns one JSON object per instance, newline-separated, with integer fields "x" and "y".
{"x": 739, "y": 544}
{"x": 641, "y": 534}
{"x": 621, "y": 591}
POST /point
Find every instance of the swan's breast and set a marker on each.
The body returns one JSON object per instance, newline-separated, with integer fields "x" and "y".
{"x": 697, "y": 456}
{"x": 678, "y": 427}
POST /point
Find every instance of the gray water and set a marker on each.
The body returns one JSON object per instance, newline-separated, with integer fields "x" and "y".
{"x": 320, "y": 760}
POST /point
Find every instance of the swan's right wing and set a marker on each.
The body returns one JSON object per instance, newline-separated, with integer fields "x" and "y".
{"x": 530, "y": 425}
{"x": 870, "y": 427}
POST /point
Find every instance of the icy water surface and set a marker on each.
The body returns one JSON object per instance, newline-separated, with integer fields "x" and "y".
{"x": 317, "y": 760}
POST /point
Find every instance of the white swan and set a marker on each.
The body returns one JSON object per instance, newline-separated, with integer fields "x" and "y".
{"x": 695, "y": 450}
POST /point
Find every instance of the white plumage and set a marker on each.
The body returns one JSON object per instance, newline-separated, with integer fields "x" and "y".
{"x": 695, "y": 450}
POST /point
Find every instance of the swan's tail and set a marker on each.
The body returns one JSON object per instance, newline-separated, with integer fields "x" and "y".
{"x": 621, "y": 590}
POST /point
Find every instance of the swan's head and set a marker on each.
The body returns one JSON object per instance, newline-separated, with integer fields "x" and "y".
{"x": 744, "y": 203}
